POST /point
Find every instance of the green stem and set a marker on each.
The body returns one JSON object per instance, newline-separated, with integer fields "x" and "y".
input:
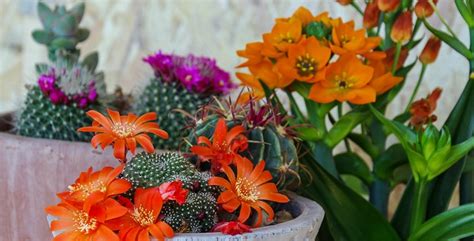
{"x": 397, "y": 57}
{"x": 419, "y": 202}
{"x": 295, "y": 109}
{"x": 357, "y": 8}
{"x": 418, "y": 83}
{"x": 339, "y": 115}
{"x": 442, "y": 19}
{"x": 416, "y": 28}
{"x": 379, "y": 26}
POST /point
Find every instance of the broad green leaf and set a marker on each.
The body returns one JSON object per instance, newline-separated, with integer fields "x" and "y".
{"x": 42, "y": 37}
{"x": 454, "y": 224}
{"x": 465, "y": 12}
{"x": 45, "y": 14}
{"x": 365, "y": 143}
{"x": 455, "y": 43}
{"x": 349, "y": 216}
{"x": 78, "y": 11}
{"x": 350, "y": 163}
{"x": 386, "y": 164}
{"x": 309, "y": 133}
{"x": 344, "y": 126}
{"x": 404, "y": 134}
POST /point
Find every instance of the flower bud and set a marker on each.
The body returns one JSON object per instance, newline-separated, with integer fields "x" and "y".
{"x": 402, "y": 29}
{"x": 388, "y": 5}
{"x": 423, "y": 8}
{"x": 344, "y": 2}
{"x": 371, "y": 15}
{"x": 429, "y": 141}
{"x": 430, "y": 51}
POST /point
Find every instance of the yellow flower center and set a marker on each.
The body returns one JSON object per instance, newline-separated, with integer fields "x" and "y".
{"x": 246, "y": 190}
{"x": 343, "y": 81}
{"x": 83, "y": 223}
{"x": 286, "y": 38}
{"x": 306, "y": 65}
{"x": 123, "y": 130}
{"x": 143, "y": 216}
{"x": 88, "y": 188}
{"x": 346, "y": 39}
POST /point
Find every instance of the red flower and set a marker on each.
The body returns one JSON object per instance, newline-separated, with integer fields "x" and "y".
{"x": 422, "y": 110}
{"x": 402, "y": 28}
{"x": 173, "y": 191}
{"x": 430, "y": 51}
{"x": 224, "y": 147}
{"x": 232, "y": 228}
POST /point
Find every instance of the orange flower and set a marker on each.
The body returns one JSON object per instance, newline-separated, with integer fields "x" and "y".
{"x": 248, "y": 190}
{"x": 256, "y": 89}
{"x": 388, "y": 61}
{"x": 304, "y": 60}
{"x": 123, "y": 131}
{"x": 347, "y": 79}
{"x": 345, "y": 39}
{"x": 283, "y": 35}
{"x": 388, "y": 5}
{"x": 383, "y": 79}
{"x": 422, "y": 110}
{"x": 142, "y": 218}
{"x": 371, "y": 15}
{"x": 430, "y": 51}
{"x": 402, "y": 28}
{"x": 327, "y": 20}
{"x": 423, "y": 8}
{"x": 97, "y": 185}
{"x": 344, "y": 2}
{"x": 270, "y": 74}
{"x": 303, "y": 15}
{"x": 224, "y": 147}
{"x": 85, "y": 223}
{"x": 253, "y": 53}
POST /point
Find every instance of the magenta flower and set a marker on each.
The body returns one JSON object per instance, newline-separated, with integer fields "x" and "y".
{"x": 46, "y": 83}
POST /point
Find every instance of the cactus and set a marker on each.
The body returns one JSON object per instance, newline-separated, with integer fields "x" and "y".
{"x": 268, "y": 139}
{"x": 55, "y": 108}
{"x": 61, "y": 29}
{"x": 164, "y": 98}
{"x": 198, "y": 213}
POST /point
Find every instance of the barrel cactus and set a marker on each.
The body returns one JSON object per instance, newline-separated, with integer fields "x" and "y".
{"x": 181, "y": 84}
{"x": 60, "y": 28}
{"x": 268, "y": 138}
{"x": 198, "y": 213}
{"x": 56, "y": 106}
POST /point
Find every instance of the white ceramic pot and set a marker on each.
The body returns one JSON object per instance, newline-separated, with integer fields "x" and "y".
{"x": 304, "y": 227}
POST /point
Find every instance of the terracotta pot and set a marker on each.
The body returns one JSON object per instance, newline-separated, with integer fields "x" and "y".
{"x": 33, "y": 171}
{"x": 304, "y": 227}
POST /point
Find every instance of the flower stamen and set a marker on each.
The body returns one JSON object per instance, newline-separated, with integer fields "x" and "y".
{"x": 83, "y": 223}
{"x": 143, "y": 216}
{"x": 246, "y": 190}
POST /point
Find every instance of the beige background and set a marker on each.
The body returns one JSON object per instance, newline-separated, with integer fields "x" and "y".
{"x": 124, "y": 31}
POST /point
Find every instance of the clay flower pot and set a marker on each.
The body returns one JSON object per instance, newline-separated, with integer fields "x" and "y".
{"x": 309, "y": 216}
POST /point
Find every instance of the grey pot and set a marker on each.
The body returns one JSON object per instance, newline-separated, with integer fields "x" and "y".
{"x": 304, "y": 227}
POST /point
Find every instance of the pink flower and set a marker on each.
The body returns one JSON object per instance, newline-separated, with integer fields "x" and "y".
{"x": 232, "y": 228}
{"x": 173, "y": 191}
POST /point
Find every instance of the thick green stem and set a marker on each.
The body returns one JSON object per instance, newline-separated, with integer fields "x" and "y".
{"x": 418, "y": 83}
{"x": 398, "y": 50}
{"x": 418, "y": 211}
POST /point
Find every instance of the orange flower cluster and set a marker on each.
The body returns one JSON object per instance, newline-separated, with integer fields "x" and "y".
{"x": 338, "y": 60}
{"x": 93, "y": 209}
{"x": 249, "y": 189}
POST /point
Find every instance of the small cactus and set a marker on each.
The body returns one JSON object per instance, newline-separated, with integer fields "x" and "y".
{"x": 268, "y": 139}
{"x": 198, "y": 213}
{"x": 61, "y": 29}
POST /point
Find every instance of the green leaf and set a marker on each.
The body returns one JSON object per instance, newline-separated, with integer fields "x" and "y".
{"x": 465, "y": 12}
{"x": 91, "y": 61}
{"x": 460, "y": 150}
{"x": 63, "y": 43}
{"x": 454, "y": 224}
{"x": 365, "y": 143}
{"x": 82, "y": 34}
{"x": 344, "y": 126}
{"x": 349, "y": 216}
{"x": 350, "y": 163}
{"x": 78, "y": 12}
{"x": 455, "y": 43}
{"x": 309, "y": 133}
{"x": 41, "y": 68}
{"x": 404, "y": 134}
{"x": 42, "y": 37}
{"x": 65, "y": 26}
{"x": 45, "y": 15}
{"x": 386, "y": 164}
{"x": 301, "y": 88}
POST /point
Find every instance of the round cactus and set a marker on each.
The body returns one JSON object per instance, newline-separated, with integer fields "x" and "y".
{"x": 164, "y": 98}
{"x": 42, "y": 119}
{"x": 268, "y": 139}
{"x": 198, "y": 213}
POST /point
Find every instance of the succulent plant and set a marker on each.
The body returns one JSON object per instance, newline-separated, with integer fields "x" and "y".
{"x": 198, "y": 213}
{"x": 268, "y": 138}
{"x": 61, "y": 29}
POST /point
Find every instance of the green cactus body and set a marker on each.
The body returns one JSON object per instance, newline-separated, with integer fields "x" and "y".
{"x": 198, "y": 213}
{"x": 164, "y": 98}
{"x": 264, "y": 143}
{"x": 43, "y": 119}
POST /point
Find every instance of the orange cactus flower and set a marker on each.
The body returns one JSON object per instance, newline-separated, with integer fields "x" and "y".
{"x": 345, "y": 39}
{"x": 430, "y": 51}
{"x": 123, "y": 131}
{"x": 224, "y": 147}
{"x": 142, "y": 218}
{"x": 304, "y": 60}
{"x": 87, "y": 223}
{"x": 371, "y": 15}
{"x": 283, "y": 35}
{"x": 101, "y": 184}
{"x": 248, "y": 190}
{"x": 402, "y": 28}
{"x": 423, "y": 8}
{"x": 344, "y": 2}
{"x": 388, "y": 5}
{"x": 253, "y": 54}
{"x": 422, "y": 110}
{"x": 347, "y": 79}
